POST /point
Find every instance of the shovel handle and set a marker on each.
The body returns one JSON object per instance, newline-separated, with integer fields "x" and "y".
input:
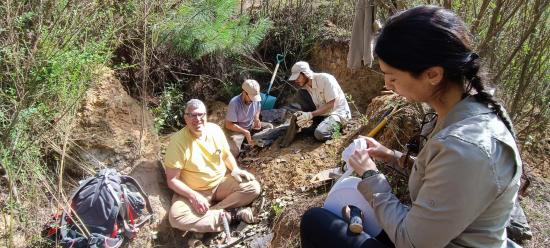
{"x": 279, "y": 58}
{"x": 380, "y": 125}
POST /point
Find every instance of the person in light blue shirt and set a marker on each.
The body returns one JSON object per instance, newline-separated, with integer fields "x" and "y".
{"x": 243, "y": 116}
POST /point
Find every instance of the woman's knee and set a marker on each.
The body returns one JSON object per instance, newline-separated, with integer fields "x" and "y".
{"x": 311, "y": 227}
{"x": 311, "y": 218}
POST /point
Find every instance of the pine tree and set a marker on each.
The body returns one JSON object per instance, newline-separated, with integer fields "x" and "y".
{"x": 198, "y": 28}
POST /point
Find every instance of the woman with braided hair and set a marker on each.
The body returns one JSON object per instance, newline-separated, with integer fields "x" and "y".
{"x": 465, "y": 177}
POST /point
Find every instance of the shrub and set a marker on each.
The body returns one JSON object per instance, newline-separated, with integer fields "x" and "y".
{"x": 49, "y": 51}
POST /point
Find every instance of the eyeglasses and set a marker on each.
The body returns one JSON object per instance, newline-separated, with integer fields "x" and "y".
{"x": 195, "y": 115}
{"x": 416, "y": 142}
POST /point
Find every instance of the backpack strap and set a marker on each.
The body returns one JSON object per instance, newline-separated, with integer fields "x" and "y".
{"x": 100, "y": 241}
{"x": 113, "y": 193}
{"x": 127, "y": 209}
{"x": 130, "y": 231}
{"x": 146, "y": 197}
{"x": 63, "y": 228}
{"x": 73, "y": 240}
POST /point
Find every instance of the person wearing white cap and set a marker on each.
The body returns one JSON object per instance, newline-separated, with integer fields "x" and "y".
{"x": 243, "y": 116}
{"x": 322, "y": 103}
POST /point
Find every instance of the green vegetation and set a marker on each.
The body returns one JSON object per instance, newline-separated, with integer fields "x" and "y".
{"x": 336, "y": 131}
{"x": 198, "y": 28}
{"x": 167, "y": 112}
{"x": 49, "y": 53}
{"x": 278, "y": 209}
{"x": 363, "y": 118}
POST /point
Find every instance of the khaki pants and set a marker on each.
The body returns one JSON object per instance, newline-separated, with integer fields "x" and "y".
{"x": 228, "y": 194}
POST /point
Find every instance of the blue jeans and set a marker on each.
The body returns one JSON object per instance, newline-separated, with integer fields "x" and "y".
{"x": 321, "y": 228}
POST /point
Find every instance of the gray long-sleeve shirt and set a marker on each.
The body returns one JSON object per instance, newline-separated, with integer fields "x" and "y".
{"x": 462, "y": 186}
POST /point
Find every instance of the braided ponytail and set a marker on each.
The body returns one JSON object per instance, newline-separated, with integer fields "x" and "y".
{"x": 471, "y": 73}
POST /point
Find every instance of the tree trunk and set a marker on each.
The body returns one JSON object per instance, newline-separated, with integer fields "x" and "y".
{"x": 479, "y": 15}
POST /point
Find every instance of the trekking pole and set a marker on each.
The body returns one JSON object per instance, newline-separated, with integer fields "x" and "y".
{"x": 226, "y": 228}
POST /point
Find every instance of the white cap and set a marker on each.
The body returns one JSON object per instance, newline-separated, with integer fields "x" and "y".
{"x": 300, "y": 66}
{"x": 252, "y": 88}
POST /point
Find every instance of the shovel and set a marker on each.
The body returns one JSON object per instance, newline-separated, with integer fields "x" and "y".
{"x": 268, "y": 102}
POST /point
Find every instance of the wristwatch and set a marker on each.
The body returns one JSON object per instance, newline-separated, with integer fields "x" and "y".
{"x": 369, "y": 173}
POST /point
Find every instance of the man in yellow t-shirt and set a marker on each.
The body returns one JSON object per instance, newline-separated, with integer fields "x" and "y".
{"x": 196, "y": 163}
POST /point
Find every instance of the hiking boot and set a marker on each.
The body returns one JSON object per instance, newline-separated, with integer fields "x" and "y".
{"x": 354, "y": 217}
{"x": 290, "y": 134}
{"x": 194, "y": 243}
{"x": 242, "y": 214}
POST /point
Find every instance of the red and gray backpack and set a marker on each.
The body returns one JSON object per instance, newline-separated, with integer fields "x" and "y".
{"x": 105, "y": 209}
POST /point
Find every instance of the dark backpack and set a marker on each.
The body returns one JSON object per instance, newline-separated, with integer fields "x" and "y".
{"x": 108, "y": 206}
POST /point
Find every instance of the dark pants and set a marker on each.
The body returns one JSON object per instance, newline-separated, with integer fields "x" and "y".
{"x": 322, "y": 127}
{"x": 321, "y": 228}
{"x": 236, "y": 139}
{"x": 307, "y": 105}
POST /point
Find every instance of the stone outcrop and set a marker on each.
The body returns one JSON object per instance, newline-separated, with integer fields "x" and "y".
{"x": 362, "y": 84}
{"x": 114, "y": 130}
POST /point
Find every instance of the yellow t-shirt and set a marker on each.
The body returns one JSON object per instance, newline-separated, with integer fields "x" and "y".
{"x": 201, "y": 162}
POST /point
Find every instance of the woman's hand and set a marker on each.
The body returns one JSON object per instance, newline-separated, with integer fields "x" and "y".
{"x": 377, "y": 150}
{"x": 360, "y": 161}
